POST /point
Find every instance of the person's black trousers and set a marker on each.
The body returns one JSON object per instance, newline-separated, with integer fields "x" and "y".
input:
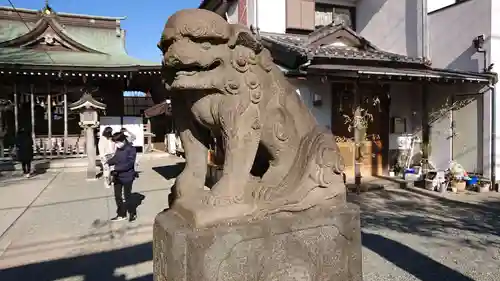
{"x": 123, "y": 193}
{"x": 26, "y": 167}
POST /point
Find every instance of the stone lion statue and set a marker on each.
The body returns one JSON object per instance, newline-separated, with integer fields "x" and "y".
{"x": 222, "y": 80}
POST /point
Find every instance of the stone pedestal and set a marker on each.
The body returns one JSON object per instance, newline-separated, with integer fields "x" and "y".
{"x": 319, "y": 244}
{"x": 89, "y": 120}
{"x": 91, "y": 152}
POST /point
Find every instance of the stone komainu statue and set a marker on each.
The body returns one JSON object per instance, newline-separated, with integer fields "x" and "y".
{"x": 223, "y": 80}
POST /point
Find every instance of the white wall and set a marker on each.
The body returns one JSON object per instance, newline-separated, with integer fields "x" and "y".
{"x": 452, "y": 31}
{"x": 440, "y": 120}
{"x": 392, "y": 25}
{"x": 271, "y": 15}
{"x": 406, "y": 102}
{"x": 433, "y": 5}
{"x": 306, "y": 89}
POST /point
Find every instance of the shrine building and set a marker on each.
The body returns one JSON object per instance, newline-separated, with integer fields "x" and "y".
{"x": 49, "y": 59}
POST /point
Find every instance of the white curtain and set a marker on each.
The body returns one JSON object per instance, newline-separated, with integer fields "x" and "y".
{"x": 327, "y": 15}
{"x": 323, "y": 17}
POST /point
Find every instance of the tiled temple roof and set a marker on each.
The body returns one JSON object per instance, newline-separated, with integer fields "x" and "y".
{"x": 84, "y": 45}
{"x": 336, "y": 41}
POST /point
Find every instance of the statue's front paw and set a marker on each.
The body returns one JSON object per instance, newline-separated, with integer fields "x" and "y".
{"x": 187, "y": 185}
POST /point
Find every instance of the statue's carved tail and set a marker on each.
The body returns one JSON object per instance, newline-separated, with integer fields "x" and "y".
{"x": 317, "y": 165}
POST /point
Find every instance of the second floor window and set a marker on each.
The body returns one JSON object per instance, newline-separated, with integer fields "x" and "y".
{"x": 326, "y": 14}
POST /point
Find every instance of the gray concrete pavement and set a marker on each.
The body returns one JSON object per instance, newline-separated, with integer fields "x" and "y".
{"x": 63, "y": 232}
{"x": 55, "y": 227}
{"x": 409, "y": 236}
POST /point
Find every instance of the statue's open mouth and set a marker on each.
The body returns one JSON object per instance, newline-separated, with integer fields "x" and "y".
{"x": 192, "y": 69}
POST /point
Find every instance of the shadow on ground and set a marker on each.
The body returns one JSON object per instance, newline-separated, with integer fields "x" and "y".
{"x": 93, "y": 267}
{"x": 171, "y": 171}
{"x": 407, "y": 212}
{"x": 103, "y": 266}
{"x": 395, "y": 210}
{"x": 413, "y": 262}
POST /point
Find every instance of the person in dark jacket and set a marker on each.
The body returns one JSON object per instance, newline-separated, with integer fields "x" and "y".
{"x": 24, "y": 145}
{"x": 124, "y": 176}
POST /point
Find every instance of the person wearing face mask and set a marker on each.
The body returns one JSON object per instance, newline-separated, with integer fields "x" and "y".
{"x": 124, "y": 176}
{"x": 131, "y": 137}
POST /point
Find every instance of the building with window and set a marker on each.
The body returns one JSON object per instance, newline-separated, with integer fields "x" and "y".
{"x": 135, "y": 103}
{"x": 343, "y": 53}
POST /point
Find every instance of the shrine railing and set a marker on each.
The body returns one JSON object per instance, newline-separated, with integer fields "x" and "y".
{"x": 57, "y": 147}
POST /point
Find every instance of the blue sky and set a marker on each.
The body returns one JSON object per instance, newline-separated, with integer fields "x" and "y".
{"x": 144, "y": 23}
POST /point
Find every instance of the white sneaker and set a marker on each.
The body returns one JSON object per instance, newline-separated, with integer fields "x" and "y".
{"x": 118, "y": 218}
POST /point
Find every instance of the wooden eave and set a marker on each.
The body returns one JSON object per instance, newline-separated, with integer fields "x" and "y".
{"x": 401, "y": 74}
{"x": 395, "y": 63}
{"x": 163, "y": 108}
{"x": 28, "y": 68}
{"x": 337, "y": 50}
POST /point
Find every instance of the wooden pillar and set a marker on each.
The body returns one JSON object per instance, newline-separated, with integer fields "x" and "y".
{"x": 2, "y": 133}
{"x": 149, "y": 146}
{"x": 32, "y": 100}
{"x": 16, "y": 110}
{"x": 358, "y": 136}
{"x": 425, "y": 128}
{"x": 49, "y": 122}
{"x": 65, "y": 121}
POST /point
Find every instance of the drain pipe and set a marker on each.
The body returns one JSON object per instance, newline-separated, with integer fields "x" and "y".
{"x": 304, "y": 65}
{"x": 493, "y": 138}
{"x": 256, "y": 14}
{"x": 302, "y": 69}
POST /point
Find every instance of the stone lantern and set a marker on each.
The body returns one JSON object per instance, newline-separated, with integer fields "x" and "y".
{"x": 88, "y": 108}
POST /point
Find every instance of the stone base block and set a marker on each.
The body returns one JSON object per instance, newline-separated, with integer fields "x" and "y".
{"x": 319, "y": 244}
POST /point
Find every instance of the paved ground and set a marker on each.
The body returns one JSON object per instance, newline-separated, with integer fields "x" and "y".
{"x": 54, "y": 227}
{"x": 61, "y": 232}
{"x": 408, "y": 236}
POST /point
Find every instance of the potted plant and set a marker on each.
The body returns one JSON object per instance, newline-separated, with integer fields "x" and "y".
{"x": 399, "y": 170}
{"x": 458, "y": 185}
{"x": 395, "y": 170}
{"x": 483, "y": 185}
{"x": 458, "y": 177}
